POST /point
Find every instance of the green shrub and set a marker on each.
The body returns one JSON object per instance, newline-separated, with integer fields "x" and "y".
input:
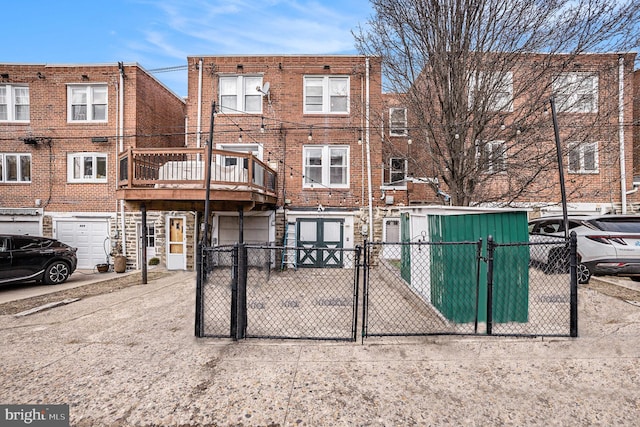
{"x": 154, "y": 261}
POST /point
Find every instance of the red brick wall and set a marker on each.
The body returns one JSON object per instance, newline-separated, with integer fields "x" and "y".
{"x": 157, "y": 111}
{"x": 287, "y": 127}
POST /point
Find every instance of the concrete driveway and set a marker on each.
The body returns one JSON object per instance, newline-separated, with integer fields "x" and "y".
{"x": 129, "y": 358}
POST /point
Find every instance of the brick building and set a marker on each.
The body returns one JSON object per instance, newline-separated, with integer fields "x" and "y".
{"x": 594, "y": 97}
{"x": 62, "y": 127}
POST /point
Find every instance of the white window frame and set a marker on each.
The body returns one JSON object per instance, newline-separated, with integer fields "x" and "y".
{"x": 92, "y": 100}
{"x": 242, "y": 87}
{"x": 325, "y": 166}
{"x": 325, "y": 83}
{"x": 11, "y": 102}
{"x": 580, "y": 148}
{"x": 489, "y": 147}
{"x": 398, "y": 127}
{"x": 19, "y": 166}
{"x": 576, "y": 92}
{"x": 84, "y": 177}
{"x": 397, "y": 171}
{"x": 497, "y": 85}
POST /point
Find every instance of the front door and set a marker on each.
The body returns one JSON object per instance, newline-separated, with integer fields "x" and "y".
{"x": 176, "y": 247}
{"x": 322, "y": 240}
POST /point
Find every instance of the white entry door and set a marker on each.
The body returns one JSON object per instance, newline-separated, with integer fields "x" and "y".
{"x": 176, "y": 244}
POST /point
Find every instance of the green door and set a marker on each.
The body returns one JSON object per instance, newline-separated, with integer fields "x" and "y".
{"x": 322, "y": 242}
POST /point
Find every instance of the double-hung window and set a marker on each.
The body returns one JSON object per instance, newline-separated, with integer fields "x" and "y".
{"x": 14, "y": 103}
{"x": 398, "y": 121}
{"x": 15, "y": 167}
{"x": 326, "y": 166}
{"x": 492, "y": 91}
{"x": 397, "y": 169}
{"x": 87, "y": 103}
{"x": 491, "y": 156}
{"x": 326, "y": 94}
{"x": 576, "y": 92}
{"x": 87, "y": 167}
{"x": 240, "y": 94}
{"x": 583, "y": 157}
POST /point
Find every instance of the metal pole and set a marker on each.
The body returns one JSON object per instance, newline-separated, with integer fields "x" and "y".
{"x": 490, "y": 248}
{"x": 479, "y": 259}
{"x": 143, "y": 211}
{"x": 563, "y": 192}
{"x": 573, "y": 297}
{"x": 207, "y": 184}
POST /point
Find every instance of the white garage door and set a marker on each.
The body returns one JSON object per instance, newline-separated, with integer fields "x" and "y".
{"x": 18, "y": 226}
{"x": 90, "y": 237}
{"x": 256, "y": 230}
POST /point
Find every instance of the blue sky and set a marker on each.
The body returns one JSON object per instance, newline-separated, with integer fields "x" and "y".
{"x": 162, "y": 33}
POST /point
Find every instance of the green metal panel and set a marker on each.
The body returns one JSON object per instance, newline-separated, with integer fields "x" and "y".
{"x": 453, "y": 274}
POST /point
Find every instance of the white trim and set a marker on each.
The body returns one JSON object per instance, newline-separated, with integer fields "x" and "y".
{"x": 90, "y": 94}
{"x": 94, "y": 156}
{"x": 325, "y": 85}
{"x": 10, "y": 98}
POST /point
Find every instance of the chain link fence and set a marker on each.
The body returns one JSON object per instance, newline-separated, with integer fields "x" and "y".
{"x": 399, "y": 289}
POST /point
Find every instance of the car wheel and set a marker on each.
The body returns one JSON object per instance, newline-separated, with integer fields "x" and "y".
{"x": 583, "y": 274}
{"x": 56, "y": 273}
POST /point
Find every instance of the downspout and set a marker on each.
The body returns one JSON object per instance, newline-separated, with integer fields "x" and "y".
{"x": 121, "y": 133}
{"x": 623, "y": 171}
{"x": 367, "y": 139}
{"x": 199, "y": 116}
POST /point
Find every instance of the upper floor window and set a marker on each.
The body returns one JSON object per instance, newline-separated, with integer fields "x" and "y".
{"x": 87, "y": 103}
{"x": 492, "y": 90}
{"x": 326, "y": 94}
{"x": 326, "y": 166}
{"x": 576, "y": 92}
{"x": 398, "y": 121}
{"x": 583, "y": 157}
{"x": 397, "y": 169}
{"x": 491, "y": 156}
{"x": 15, "y": 167}
{"x": 240, "y": 94}
{"x": 14, "y": 103}
{"x": 87, "y": 167}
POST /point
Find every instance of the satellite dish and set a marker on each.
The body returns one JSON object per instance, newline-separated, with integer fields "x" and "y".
{"x": 264, "y": 89}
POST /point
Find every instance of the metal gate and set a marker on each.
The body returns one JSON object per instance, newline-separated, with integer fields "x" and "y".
{"x": 244, "y": 293}
{"x": 426, "y": 288}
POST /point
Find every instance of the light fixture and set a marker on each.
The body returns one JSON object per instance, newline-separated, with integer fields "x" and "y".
{"x": 240, "y": 66}
{"x": 290, "y": 172}
{"x": 40, "y": 75}
{"x": 456, "y": 136}
{"x": 310, "y": 137}
{"x": 99, "y": 139}
{"x": 240, "y": 136}
{"x": 502, "y": 126}
{"x": 262, "y": 125}
{"x": 327, "y": 67}
{"x": 85, "y": 77}
{"x": 409, "y": 141}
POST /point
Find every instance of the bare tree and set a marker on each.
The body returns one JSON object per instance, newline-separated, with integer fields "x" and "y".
{"x": 477, "y": 76}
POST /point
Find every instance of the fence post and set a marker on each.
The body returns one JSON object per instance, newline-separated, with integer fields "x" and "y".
{"x": 365, "y": 292}
{"x": 490, "y": 249}
{"x": 356, "y": 293}
{"x": 242, "y": 293}
{"x": 573, "y": 270}
{"x": 234, "y": 294}
{"x": 198, "y": 319}
{"x": 479, "y": 260}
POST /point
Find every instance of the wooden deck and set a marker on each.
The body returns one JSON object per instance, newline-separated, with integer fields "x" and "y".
{"x": 176, "y": 179}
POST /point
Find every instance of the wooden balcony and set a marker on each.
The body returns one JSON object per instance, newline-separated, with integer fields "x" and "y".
{"x": 175, "y": 179}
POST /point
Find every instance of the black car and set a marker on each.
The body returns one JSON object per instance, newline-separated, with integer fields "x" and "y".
{"x": 35, "y": 259}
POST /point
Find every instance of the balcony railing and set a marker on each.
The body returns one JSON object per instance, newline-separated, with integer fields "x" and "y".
{"x": 187, "y": 169}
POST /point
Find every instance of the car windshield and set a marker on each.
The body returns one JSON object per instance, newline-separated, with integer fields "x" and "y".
{"x": 619, "y": 225}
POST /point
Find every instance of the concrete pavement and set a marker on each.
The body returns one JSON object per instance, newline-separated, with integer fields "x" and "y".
{"x": 129, "y": 358}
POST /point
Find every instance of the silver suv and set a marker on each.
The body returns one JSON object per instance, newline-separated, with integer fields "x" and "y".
{"x": 607, "y": 244}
